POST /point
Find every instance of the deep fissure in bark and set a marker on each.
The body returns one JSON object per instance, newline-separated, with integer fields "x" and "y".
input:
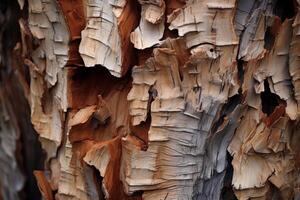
{"x": 269, "y": 100}
{"x": 227, "y": 190}
{"x": 269, "y": 39}
{"x": 28, "y": 153}
{"x": 98, "y": 180}
{"x": 285, "y": 9}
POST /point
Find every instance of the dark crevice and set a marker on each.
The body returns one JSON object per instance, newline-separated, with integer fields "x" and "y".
{"x": 14, "y": 100}
{"x": 171, "y": 5}
{"x": 269, "y": 39}
{"x": 127, "y": 22}
{"x": 28, "y": 143}
{"x": 98, "y": 182}
{"x": 141, "y": 130}
{"x": 47, "y": 101}
{"x": 226, "y": 110}
{"x": 285, "y": 9}
{"x": 227, "y": 190}
{"x": 241, "y": 71}
{"x": 31, "y": 146}
{"x": 274, "y": 193}
{"x": 9, "y": 28}
{"x": 269, "y": 100}
{"x": 85, "y": 84}
{"x": 136, "y": 195}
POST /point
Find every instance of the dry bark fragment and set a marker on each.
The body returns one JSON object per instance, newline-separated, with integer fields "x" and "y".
{"x": 205, "y": 22}
{"x": 105, "y": 39}
{"x": 151, "y": 27}
{"x": 260, "y": 140}
{"x": 175, "y": 104}
{"x": 44, "y": 185}
{"x": 75, "y": 19}
{"x": 294, "y": 56}
{"x": 48, "y": 78}
{"x": 226, "y": 81}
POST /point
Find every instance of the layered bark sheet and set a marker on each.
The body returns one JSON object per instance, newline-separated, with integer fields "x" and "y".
{"x": 161, "y": 99}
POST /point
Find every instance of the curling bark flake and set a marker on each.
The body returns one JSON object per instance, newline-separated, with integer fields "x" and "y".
{"x": 294, "y": 68}
{"x": 157, "y": 99}
{"x": 48, "y": 86}
{"x": 151, "y": 27}
{"x": 105, "y": 39}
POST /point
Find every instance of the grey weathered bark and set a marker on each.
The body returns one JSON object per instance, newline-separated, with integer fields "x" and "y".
{"x": 150, "y": 99}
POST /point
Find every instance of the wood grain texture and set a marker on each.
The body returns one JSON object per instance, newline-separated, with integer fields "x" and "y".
{"x": 157, "y": 99}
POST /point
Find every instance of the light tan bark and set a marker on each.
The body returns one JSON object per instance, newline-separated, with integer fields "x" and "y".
{"x": 158, "y": 99}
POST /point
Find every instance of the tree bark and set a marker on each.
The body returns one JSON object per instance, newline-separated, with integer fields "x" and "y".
{"x": 150, "y": 99}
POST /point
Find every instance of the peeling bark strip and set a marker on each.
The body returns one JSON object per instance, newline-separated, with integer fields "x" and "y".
{"x": 105, "y": 39}
{"x": 151, "y": 99}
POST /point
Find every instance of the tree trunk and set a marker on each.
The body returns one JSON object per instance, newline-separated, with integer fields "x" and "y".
{"x": 150, "y": 99}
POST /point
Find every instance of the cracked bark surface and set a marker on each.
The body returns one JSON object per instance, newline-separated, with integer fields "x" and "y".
{"x": 150, "y": 99}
